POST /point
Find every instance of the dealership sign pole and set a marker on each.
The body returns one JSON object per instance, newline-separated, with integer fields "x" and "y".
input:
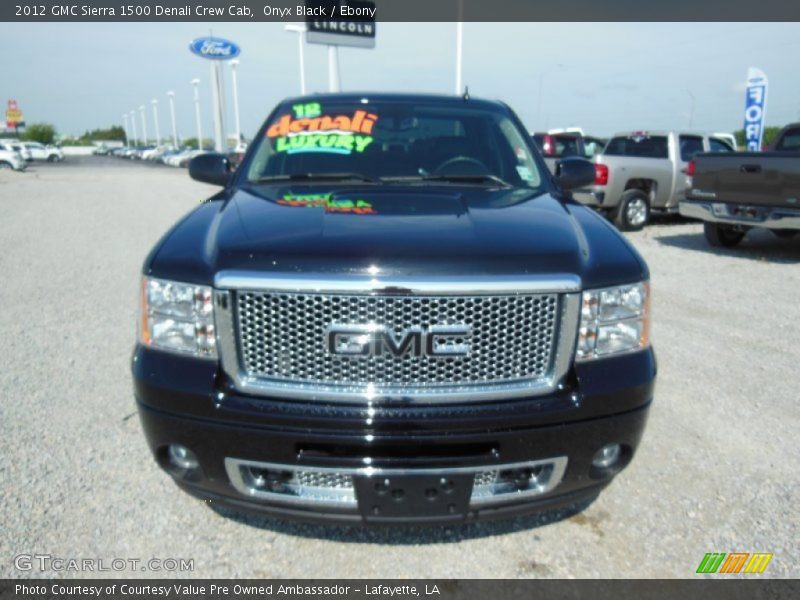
{"x": 755, "y": 109}
{"x": 198, "y": 120}
{"x": 14, "y": 118}
{"x": 350, "y": 23}
{"x": 216, "y": 50}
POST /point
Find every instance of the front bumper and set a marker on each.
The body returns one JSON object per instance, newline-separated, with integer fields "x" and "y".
{"x": 738, "y": 214}
{"x": 185, "y": 401}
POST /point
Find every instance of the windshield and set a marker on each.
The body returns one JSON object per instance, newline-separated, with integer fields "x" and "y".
{"x": 382, "y": 141}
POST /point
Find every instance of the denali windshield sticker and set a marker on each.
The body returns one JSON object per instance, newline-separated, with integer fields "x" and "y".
{"x": 331, "y": 205}
{"x": 308, "y": 130}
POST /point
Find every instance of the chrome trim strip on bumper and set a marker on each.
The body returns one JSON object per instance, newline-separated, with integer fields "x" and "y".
{"x": 565, "y": 333}
{"x": 775, "y": 218}
{"x": 376, "y": 284}
{"x": 233, "y": 467}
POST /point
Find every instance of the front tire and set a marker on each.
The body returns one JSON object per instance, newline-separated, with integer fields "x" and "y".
{"x": 52, "y": 158}
{"x": 723, "y": 236}
{"x": 633, "y": 211}
{"x": 5, "y": 165}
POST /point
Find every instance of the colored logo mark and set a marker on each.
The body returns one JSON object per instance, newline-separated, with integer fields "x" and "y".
{"x": 734, "y": 562}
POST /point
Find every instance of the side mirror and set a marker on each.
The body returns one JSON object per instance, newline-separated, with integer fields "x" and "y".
{"x": 210, "y": 168}
{"x": 574, "y": 172}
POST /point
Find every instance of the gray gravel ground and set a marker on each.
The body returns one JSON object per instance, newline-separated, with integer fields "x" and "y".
{"x": 717, "y": 471}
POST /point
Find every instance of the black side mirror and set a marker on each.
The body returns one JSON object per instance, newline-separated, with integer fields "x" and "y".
{"x": 574, "y": 172}
{"x": 210, "y": 168}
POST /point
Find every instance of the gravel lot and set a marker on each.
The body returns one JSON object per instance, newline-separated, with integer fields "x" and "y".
{"x": 717, "y": 470}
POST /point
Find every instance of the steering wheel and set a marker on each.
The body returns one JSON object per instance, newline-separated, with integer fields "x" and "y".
{"x": 468, "y": 164}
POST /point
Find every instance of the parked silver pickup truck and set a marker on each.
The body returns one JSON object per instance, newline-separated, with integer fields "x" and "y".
{"x": 644, "y": 171}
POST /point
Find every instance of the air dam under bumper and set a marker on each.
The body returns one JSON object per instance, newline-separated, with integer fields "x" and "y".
{"x": 355, "y": 465}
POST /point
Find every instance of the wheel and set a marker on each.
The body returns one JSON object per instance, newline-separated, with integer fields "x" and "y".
{"x": 5, "y": 165}
{"x": 633, "y": 211}
{"x": 52, "y": 158}
{"x": 724, "y": 236}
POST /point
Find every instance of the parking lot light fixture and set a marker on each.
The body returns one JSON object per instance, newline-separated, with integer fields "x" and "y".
{"x": 155, "y": 121}
{"x": 171, "y": 96}
{"x": 125, "y": 125}
{"x": 144, "y": 125}
{"x": 133, "y": 126}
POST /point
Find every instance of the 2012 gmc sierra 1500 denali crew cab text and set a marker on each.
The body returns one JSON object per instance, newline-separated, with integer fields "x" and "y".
{"x": 393, "y": 313}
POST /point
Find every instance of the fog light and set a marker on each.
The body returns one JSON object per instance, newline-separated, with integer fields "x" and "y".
{"x": 182, "y": 457}
{"x": 607, "y": 456}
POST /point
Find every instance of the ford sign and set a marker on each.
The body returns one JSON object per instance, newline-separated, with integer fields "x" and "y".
{"x": 214, "y": 48}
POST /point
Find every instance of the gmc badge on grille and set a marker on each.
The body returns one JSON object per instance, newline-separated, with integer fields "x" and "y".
{"x": 360, "y": 341}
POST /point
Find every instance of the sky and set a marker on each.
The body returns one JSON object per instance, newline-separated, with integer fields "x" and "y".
{"x": 602, "y": 77}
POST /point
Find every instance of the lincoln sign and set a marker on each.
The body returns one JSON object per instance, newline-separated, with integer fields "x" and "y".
{"x": 346, "y": 23}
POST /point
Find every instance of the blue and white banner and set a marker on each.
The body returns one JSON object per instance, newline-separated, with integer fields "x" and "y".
{"x": 754, "y": 109}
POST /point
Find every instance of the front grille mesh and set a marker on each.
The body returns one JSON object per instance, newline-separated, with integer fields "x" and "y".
{"x": 281, "y": 337}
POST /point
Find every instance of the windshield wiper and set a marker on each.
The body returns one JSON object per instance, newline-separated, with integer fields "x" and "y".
{"x": 452, "y": 179}
{"x": 317, "y": 176}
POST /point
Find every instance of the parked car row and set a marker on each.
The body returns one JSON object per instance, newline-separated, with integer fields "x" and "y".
{"x": 27, "y": 152}
{"x": 173, "y": 157}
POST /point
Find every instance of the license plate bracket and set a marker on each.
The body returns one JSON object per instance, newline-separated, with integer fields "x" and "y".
{"x": 383, "y": 497}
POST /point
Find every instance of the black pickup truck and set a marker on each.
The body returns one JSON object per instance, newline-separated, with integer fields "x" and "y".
{"x": 392, "y": 312}
{"x": 734, "y": 192}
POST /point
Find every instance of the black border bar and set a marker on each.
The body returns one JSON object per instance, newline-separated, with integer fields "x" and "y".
{"x": 407, "y": 10}
{"x": 722, "y": 587}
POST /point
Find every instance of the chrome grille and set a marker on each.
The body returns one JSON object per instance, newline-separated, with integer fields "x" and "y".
{"x": 281, "y": 338}
{"x": 323, "y": 479}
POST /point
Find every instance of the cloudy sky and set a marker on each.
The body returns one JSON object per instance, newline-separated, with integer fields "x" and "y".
{"x": 603, "y": 77}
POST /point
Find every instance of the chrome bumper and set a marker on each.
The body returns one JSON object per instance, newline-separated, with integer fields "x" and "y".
{"x": 749, "y": 216}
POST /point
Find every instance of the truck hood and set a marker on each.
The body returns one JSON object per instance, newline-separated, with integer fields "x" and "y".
{"x": 400, "y": 230}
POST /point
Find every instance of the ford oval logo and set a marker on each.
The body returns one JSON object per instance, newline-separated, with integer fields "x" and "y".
{"x": 214, "y": 48}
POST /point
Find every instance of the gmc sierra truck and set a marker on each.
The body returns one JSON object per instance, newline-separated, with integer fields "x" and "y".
{"x": 642, "y": 172}
{"x": 393, "y": 313}
{"x": 732, "y": 193}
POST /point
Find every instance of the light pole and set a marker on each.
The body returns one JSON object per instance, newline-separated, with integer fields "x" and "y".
{"x": 172, "y": 114}
{"x": 155, "y": 120}
{"x": 234, "y": 64}
{"x": 300, "y": 30}
{"x": 144, "y": 125}
{"x": 196, "y": 83}
{"x": 459, "y": 50}
{"x": 133, "y": 126}
{"x": 334, "y": 85}
{"x": 125, "y": 121}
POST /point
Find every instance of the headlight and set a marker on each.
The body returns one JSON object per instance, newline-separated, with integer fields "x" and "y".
{"x": 178, "y": 317}
{"x": 614, "y": 320}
